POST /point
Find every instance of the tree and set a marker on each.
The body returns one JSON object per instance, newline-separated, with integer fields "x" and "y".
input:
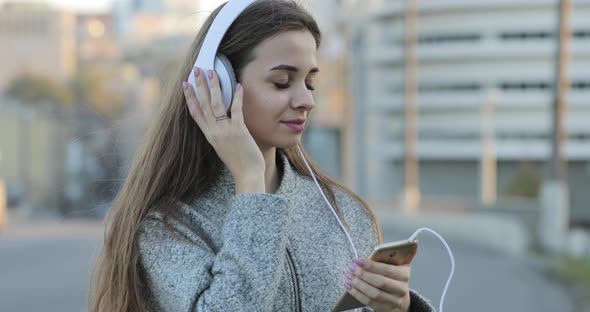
{"x": 36, "y": 89}
{"x": 526, "y": 183}
{"x": 91, "y": 89}
{"x": 88, "y": 88}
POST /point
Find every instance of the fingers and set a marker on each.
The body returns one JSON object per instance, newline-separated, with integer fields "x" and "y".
{"x": 207, "y": 103}
{"x": 217, "y": 106}
{"x": 208, "y": 97}
{"x": 193, "y": 104}
{"x": 370, "y": 295}
{"x": 396, "y": 272}
{"x": 378, "y": 281}
{"x": 376, "y": 289}
{"x": 361, "y": 297}
{"x": 236, "y": 106}
{"x": 203, "y": 94}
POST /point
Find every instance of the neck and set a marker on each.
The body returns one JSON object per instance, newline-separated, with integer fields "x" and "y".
{"x": 271, "y": 174}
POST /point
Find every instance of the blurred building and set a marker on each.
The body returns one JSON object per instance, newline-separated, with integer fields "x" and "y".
{"x": 38, "y": 142}
{"x": 96, "y": 40}
{"x": 470, "y": 53}
{"x": 40, "y": 40}
{"x": 36, "y": 38}
{"x": 154, "y": 37}
{"x": 325, "y": 137}
{"x": 141, "y": 20}
{"x": 33, "y": 156}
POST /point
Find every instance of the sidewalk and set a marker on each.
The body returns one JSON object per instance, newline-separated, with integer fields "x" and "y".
{"x": 498, "y": 233}
{"x": 47, "y": 229}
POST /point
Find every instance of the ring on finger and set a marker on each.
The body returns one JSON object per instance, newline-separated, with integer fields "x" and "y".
{"x": 222, "y": 117}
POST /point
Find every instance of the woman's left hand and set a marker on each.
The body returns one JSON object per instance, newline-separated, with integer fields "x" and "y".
{"x": 381, "y": 286}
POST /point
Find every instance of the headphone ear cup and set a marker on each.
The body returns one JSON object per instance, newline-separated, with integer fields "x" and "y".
{"x": 227, "y": 79}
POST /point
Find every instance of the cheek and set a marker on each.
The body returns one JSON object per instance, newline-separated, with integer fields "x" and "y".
{"x": 259, "y": 115}
{"x": 266, "y": 107}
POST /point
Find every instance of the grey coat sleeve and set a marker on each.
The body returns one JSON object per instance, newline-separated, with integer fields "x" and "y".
{"x": 185, "y": 275}
{"x": 419, "y": 303}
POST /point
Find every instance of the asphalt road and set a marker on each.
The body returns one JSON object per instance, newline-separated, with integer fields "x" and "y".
{"x": 484, "y": 280}
{"x": 46, "y": 266}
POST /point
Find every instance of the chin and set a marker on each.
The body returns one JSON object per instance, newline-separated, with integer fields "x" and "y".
{"x": 288, "y": 143}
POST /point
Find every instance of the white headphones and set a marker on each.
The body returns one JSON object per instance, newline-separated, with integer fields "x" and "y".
{"x": 209, "y": 58}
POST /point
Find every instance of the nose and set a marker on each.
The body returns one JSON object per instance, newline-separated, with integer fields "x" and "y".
{"x": 302, "y": 98}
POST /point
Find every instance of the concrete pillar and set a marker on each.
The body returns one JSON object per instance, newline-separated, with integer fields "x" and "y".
{"x": 554, "y": 218}
{"x": 3, "y": 205}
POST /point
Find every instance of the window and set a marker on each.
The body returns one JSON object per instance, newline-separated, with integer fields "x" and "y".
{"x": 521, "y": 35}
{"x": 524, "y": 85}
{"x": 448, "y": 38}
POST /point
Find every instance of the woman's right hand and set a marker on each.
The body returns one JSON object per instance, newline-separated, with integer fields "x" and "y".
{"x": 230, "y": 138}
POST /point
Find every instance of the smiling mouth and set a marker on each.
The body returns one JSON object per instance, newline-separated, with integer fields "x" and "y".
{"x": 295, "y": 126}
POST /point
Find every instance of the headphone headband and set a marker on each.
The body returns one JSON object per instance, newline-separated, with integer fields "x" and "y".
{"x": 230, "y": 11}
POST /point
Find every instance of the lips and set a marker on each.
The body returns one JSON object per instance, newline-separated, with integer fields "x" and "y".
{"x": 295, "y": 121}
{"x": 296, "y": 124}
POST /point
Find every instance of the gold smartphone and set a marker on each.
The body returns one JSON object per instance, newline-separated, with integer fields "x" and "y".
{"x": 395, "y": 253}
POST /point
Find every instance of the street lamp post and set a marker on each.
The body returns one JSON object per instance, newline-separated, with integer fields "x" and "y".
{"x": 411, "y": 174}
{"x": 488, "y": 163}
{"x": 554, "y": 219}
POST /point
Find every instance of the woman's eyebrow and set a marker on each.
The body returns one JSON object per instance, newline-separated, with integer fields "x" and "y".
{"x": 292, "y": 68}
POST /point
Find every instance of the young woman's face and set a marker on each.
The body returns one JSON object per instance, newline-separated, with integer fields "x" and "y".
{"x": 277, "y": 88}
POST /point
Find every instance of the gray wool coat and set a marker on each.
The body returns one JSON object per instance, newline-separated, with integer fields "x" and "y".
{"x": 255, "y": 252}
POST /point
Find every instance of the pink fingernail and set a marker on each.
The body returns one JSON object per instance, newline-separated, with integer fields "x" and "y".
{"x": 360, "y": 262}
{"x": 238, "y": 87}
{"x": 184, "y": 85}
{"x": 210, "y": 73}
{"x": 347, "y": 286}
{"x": 352, "y": 267}
{"x": 197, "y": 72}
{"x": 349, "y": 275}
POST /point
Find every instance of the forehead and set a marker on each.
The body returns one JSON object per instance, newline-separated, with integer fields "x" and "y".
{"x": 295, "y": 47}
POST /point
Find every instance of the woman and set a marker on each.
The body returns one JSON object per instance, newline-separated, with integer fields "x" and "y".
{"x": 221, "y": 214}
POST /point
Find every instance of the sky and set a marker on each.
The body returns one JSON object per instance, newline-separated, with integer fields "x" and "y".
{"x": 73, "y": 5}
{"x": 83, "y": 6}
{"x": 210, "y": 5}
{"x": 102, "y": 5}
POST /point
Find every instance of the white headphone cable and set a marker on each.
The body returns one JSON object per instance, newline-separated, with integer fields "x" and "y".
{"x": 356, "y": 255}
{"x": 326, "y": 199}
{"x": 444, "y": 293}
{"x": 412, "y": 238}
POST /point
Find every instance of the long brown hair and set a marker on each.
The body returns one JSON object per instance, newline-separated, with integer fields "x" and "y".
{"x": 175, "y": 144}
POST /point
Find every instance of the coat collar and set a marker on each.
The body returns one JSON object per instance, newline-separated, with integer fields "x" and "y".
{"x": 290, "y": 179}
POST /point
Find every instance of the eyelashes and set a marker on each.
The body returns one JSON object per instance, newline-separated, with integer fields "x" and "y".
{"x": 286, "y": 85}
